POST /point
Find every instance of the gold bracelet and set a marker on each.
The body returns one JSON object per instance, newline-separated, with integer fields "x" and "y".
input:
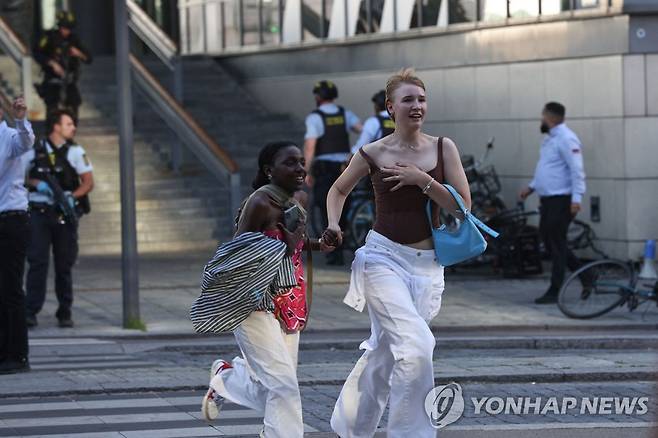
{"x": 427, "y": 187}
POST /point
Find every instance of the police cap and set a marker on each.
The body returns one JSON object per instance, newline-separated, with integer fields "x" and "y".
{"x": 66, "y": 19}
{"x": 326, "y": 90}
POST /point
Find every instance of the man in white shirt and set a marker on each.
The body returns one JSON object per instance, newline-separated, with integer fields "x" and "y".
{"x": 14, "y": 236}
{"x": 327, "y": 148}
{"x": 58, "y": 159}
{"x": 560, "y": 183}
{"x": 378, "y": 126}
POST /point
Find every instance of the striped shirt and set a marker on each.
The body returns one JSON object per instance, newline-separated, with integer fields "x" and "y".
{"x": 242, "y": 277}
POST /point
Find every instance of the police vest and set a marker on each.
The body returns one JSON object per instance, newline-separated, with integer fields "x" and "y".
{"x": 335, "y": 138}
{"x": 56, "y": 164}
{"x": 386, "y": 126}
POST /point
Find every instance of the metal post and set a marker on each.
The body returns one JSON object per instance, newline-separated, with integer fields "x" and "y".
{"x": 323, "y": 18}
{"x": 204, "y": 14}
{"x": 369, "y": 15}
{"x": 509, "y": 11}
{"x": 26, "y": 80}
{"x": 478, "y": 10}
{"x": 241, "y": 21}
{"x": 129, "y": 259}
{"x": 346, "y": 17}
{"x": 419, "y": 13}
{"x": 261, "y": 40}
{"x": 280, "y": 21}
{"x": 301, "y": 20}
{"x": 539, "y": 7}
{"x": 395, "y": 16}
{"x": 222, "y": 20}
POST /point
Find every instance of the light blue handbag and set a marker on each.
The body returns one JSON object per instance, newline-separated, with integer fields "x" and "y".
{"x": 452, "y": 246}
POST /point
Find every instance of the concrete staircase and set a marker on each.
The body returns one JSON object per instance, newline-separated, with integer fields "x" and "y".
{"x": 175, "y": 212}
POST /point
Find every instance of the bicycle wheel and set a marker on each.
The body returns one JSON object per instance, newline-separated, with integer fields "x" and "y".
{"x": 361, "y": 221}
{"x": 611, "y": 283}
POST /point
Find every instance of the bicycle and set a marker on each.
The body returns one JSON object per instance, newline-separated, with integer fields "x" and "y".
{"x": 613, "y": 284}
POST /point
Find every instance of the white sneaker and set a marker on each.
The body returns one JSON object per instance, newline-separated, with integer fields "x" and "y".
{"x": 212, "y": 402}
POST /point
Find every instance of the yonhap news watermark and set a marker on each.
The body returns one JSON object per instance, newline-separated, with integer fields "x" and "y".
{"x": 446, "y": 404}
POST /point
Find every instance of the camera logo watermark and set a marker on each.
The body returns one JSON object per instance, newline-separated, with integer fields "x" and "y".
{"x": 444, "y": 405}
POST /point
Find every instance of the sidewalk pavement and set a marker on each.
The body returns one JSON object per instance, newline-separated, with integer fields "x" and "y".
{"x": 169, "y": 283}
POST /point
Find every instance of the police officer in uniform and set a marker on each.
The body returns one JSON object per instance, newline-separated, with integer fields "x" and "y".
{"x": 59, "y": 52}
{"x": 560, "y": 183}
{"x": 57, "y": 156}
{"x": 327, "y": 147}
{"x": 14, "y": 236}
{"x": 378, "y": 126}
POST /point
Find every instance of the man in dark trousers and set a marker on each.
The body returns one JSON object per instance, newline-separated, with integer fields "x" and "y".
{"x": 59, "y": 52}
{"x": 327, "y": 148}
{"x": 14, "y": 235}
{"x": 560, "y": 183}
{"x": 56, "y": 162}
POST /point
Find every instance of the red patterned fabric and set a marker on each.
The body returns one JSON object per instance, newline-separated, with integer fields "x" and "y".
{"x": 290, "y": 305}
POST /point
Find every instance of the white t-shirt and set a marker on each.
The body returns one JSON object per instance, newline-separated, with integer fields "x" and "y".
{"x": 76, "y": 157}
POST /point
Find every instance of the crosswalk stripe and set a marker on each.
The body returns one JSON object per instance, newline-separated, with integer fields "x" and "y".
{"x": 160, "y": 415}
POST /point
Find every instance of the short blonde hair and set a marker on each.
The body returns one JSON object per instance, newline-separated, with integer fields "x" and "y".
{"x": 404, "y": 76}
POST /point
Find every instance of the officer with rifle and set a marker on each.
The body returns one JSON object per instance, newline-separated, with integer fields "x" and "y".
{"x": 59, "y": 52}
{"x": 59, "y": 180}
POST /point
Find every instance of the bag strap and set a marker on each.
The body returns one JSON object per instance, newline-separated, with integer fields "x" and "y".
{"x": 467, "y": 213}
{"x": 309, "y": 281}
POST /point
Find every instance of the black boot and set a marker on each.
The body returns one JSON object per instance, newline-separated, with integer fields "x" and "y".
{"x": 549, "y": 297}
{"x": 13, "y": 366}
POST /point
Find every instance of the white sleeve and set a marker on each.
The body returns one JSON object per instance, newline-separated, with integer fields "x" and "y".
{"x": 79, "y": 160}
{"x": 368, "y": 135}
{"x": 351, "y": 119}
{"x": 314, "y": 126}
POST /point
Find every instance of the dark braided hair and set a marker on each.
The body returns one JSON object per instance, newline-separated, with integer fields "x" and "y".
{"x": 266, "y": 158}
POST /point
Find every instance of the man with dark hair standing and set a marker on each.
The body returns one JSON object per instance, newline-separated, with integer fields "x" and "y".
{"x": 59, "y": 52}
{"x": 327, "y": 147}
{"x": 14, "y": 235}
{"x": 55, "y": 160}
{"x": 560, "y": 183}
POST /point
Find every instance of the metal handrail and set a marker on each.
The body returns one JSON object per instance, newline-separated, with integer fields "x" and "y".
{"x": 18, "y": 52}
{"x": 201, "y": 144}
{"x": 151, "y": 34}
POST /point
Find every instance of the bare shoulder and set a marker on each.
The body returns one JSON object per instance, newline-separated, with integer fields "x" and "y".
{"x": 449, "y": 147}
{"x": 258, "y": 203}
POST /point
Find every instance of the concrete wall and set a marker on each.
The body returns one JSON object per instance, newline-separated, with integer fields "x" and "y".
{"x": 494, "y": 82}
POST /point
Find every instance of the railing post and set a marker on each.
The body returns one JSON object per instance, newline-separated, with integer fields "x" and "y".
{"x": 369, "y": 15}
{"x": 261, "y": 40}
{"x": 323, "y": 19}
{"x": 241, "y": 21}
{"x": 222, "y": 20}
{"x": 280, "y": 21}
{"x": 346, "y": 17}
{"x": 395, "y": 16}
{"x": 129, "y": 258}
{"x": 26, "y": 80}
{"x": 419, "y": 13}
{"x": 235, "y": 192}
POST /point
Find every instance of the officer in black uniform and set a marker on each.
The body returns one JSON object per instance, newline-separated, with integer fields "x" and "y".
{"x": 59, "y": 179}
{"x": 327, "y": 148}
{"x": 59, "y": 52}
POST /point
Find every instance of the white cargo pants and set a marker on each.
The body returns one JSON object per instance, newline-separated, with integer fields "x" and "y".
{"x": 402, "y": 289}
{"x": 265, "y": 378}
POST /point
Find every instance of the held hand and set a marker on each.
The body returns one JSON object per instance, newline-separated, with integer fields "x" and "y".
{"x": 19, "y": 108}
{"x": 43, "y": 188}
{"x": 324, "y": 247}
{"x": 575, "y": 208}
{"x": 404, "y": 175}
{"x": 523, "y": 194}
{"x": 74, "y": 51}
{"x": 292, "y": 238}
{"x": 332, "y": 237}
